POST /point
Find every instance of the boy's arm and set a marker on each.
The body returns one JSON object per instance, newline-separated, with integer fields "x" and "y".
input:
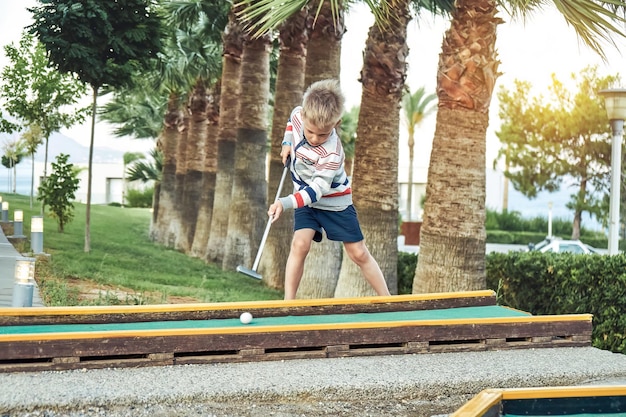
{"x": 318, "y": 186}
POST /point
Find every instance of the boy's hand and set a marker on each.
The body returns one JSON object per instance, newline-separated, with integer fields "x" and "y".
{"x": 275, "y": 210}
{"x": 285, "y": 152}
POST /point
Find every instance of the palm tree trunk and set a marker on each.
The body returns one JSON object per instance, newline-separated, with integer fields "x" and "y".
{"x": 14, "y": 182}
{"x": 375, "y": 180}
{"x": 176, "y": 221}
{"x": 248, "y": 204}
{"x": 323, "y": 57}
{"x": 322, "y": 62}
{"x": 206, "y": 199}
{"x": 166, "y": 203}
{"x": 452, "y": 242}
{"x": 226, "y": 139}
{"x": 289, "y": 87}
{"x": 409, "y": 196}
{"x": 453, "y": 235}
{"x": 194, "y": 166}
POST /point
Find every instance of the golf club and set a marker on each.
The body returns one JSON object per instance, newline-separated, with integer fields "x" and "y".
{"x": 252, "y": 272}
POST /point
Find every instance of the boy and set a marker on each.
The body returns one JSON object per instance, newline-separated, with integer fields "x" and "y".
{"x": 322, "y": 198}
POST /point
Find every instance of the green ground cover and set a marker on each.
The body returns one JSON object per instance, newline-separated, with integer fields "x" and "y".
{"x": 124, "y": 263}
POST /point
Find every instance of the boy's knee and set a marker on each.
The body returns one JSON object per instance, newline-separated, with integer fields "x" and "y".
{"x": 358, "y": 253}
{"x": 300, "y": 246}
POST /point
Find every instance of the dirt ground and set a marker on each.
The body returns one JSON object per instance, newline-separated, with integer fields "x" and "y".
{"x": 93, "y": 292}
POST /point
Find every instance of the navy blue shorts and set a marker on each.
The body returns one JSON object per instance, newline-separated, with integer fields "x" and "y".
{"x": 342, "y": 226}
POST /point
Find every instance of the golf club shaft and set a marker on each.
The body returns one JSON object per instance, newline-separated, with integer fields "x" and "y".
{"x": 269, "y": 222}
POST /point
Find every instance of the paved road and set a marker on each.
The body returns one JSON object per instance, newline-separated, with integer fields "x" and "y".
{"x": 491, "y": 247}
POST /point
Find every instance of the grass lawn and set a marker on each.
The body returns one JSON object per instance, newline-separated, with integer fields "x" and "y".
{"x": 124, "y": 265}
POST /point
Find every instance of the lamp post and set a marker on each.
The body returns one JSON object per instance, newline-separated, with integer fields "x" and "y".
{"x": 36, "y": 234}
{"x": 5, "y": 211}
{"x": 18, "y": 223}
{"x": 24, "y": 282}
{"x": 615, "y": 101}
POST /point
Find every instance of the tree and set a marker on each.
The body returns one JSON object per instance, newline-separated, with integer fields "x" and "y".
{"x": 144, "y": 170}
{"x": 58, "y": 191}
{"x": 226, "y": 137}
{"x": 197, "y": 25}
{"x": 37, "y": 94}
{"x": 135, "y": 111}
{"x": 564, "y": 135}
{"x": 248, "y": 204}
{"x": 416, "y": 108}
{"x": 101, "y": 43}
{"x": 129, "y": 157}
{"x": 13, "y": 152}
{"x": 293, "y": 36}
{"x": 452, "y": 238}
{"x": 323, "y": 60}
{"x": 383, "y": 76}
{"x": 32, "y": 138}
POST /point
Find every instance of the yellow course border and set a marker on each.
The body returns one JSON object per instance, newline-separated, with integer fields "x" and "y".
{"x": 487, "y": 399}
{"x": 248, "y": 305}
{"x": 247, "y": 329}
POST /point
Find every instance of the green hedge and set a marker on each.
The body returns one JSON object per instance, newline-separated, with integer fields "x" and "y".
{"x": 554, "y": 283}
{"x": 565, "y": 284}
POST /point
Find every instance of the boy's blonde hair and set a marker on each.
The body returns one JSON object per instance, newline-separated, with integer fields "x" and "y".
{"x": 322, "y": 104}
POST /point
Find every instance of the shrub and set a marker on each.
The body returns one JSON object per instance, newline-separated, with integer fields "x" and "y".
{"x": 138, "y": 198}
{"x": 406, "y": 271}
{"x": 565, "y": 283}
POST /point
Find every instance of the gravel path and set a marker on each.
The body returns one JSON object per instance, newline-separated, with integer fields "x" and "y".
{"x": 401, "y": 385}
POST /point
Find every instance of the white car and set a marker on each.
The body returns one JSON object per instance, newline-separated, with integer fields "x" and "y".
{"x": 555, "y": 244}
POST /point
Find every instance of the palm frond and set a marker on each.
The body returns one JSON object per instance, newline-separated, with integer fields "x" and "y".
{"x": 263, "y": 16}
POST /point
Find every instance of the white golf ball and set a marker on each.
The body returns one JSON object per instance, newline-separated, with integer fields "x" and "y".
{"x": 245, "y": 318}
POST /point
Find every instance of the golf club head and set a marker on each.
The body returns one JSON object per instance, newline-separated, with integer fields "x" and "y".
{"x": 249, "y": 272}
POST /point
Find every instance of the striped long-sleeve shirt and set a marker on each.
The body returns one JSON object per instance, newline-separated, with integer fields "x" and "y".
{"x": 318, "y": 173}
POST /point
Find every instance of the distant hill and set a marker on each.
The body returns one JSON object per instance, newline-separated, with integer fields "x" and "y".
{"x": 79, "y": 154}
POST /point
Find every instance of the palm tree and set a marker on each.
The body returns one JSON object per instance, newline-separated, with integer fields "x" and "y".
{"x": 226, "y": 139}
{"x": 452, "y": 242}
{"x": 248, "y": 204}
{"x": 467, "y": 72}
{"x": 128, "y": 157}
{"x": 206, "y": 199}
{"x": 144, "y": 171}
{"x": 13, "y": 152}
{"x": 167, "y": 145}
{"x": 416, "y": 108}
{"x": 293, "y": 36}
{"x": 322, "y": 62}
{"x": 375, "y": 176}
{"x": 375, "y": 185}
{"x": 138, "y": 112}
{"x": 196, "y": 25}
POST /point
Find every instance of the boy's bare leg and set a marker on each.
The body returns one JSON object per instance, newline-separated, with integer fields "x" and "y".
{"x": 300, "y": 246}
{"x": 360, "y": 255}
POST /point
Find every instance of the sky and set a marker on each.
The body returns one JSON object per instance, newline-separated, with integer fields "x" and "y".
{"x": 530, "y": 51}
